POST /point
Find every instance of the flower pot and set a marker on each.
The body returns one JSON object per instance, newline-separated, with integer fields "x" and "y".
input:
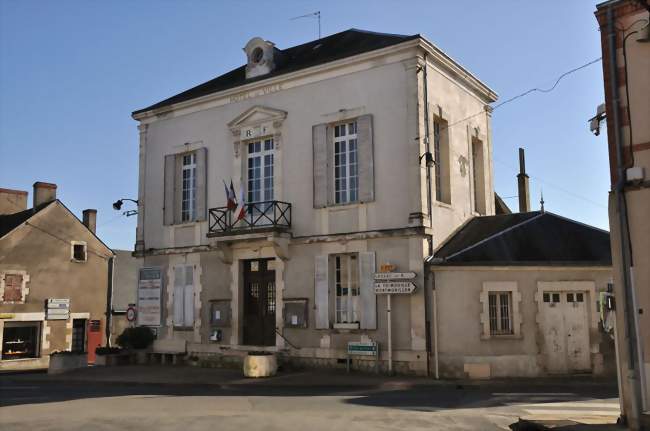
{"x": 63, "y": 362}
{"x": 260, "y": 365}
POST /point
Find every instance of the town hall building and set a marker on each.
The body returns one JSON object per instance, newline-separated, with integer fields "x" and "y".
{"x": 271, "y": 195}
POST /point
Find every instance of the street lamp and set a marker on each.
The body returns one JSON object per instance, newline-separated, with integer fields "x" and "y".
{"x": 117, "y": 205}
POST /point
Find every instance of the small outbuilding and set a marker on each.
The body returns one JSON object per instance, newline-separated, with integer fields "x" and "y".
{"x": 517, "y": 295}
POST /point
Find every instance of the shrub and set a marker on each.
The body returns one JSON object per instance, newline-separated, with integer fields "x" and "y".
{"x": 107, "y": 350}
{"x": 139, "y": 337}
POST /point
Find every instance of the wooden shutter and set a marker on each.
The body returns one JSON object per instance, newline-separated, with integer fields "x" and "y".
{"x": 13, "y": 288}
{"x": 179, "y": 293}
{"x": 201, "y": 184}
{"x": 366, "y": 159}
{"x": 170, "y": 189}
{"x": 321, "y": 170}
{"x": 368, "y": 297}
{"x": 188, "y": 297}
{"x": 321, "y": 294}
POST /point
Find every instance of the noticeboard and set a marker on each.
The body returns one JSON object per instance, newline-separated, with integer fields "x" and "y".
{"x": 150, "y": 282}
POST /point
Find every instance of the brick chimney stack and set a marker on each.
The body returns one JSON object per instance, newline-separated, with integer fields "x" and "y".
{"x": 90, "y": 219}
{"x": 522, "y": 180}
{"x": 43, "y": 193}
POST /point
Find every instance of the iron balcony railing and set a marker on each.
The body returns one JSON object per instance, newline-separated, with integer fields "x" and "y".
{"x": 257, "y": 216}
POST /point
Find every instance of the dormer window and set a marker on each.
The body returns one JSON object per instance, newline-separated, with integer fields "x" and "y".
{"x": 261, "y": 57}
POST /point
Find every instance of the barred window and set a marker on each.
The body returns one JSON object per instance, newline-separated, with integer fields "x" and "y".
{"x": 500, "y": 313}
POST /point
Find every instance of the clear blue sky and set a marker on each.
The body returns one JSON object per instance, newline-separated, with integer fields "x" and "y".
{"x": 71, "y": 72}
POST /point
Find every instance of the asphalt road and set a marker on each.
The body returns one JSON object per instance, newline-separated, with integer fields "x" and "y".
{"x": 30, "y": 405}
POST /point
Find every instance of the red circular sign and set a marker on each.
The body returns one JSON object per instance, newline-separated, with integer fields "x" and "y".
{"x": 131, "y": 314}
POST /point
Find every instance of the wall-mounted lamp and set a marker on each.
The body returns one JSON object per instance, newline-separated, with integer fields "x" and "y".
{"x": 428, "y": 158}
{"x": 117, "y": 205}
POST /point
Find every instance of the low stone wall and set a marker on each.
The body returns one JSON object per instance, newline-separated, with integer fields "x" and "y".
{"x": 67, "y": 362}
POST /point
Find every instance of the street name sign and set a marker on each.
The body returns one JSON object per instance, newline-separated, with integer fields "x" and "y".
{"x": 57, "y": 309}
{"x": 394, "y": 275}
{"x": 362, "y": 348}
{"x": 390, "y": 287}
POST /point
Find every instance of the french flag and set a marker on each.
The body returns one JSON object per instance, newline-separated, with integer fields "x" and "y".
{"x": 240, "y": 212}
{"x": 230, "y": 196}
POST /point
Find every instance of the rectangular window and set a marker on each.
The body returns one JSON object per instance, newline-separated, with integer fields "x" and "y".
{"x": 20, "y": 340}
{"x": 441, "y": 158}
{"x": 79, "y": 251}
{"x": 13, "y": 288}
{"x": 346, "y": 283}
{"x": 260, "y": 171}
{"x": 478, "y": 176}
{"x": 500, "y": 313}
{"x": 79, "y": 335}
{"x": 188, "y": 187}
{"x": 346, "y": 178}
{"x": 184, "y": 296}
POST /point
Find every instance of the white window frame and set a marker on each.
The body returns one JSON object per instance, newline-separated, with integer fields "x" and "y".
{"x": 501, "y": 287}
{"x": 500, "y": 313}
{"x": 346, "y": 185}
{"x": 85, "y": 246}
{"x": 266, "y": 151}
{"x": 188, "y": 185}
{"x": 347, "y": 306}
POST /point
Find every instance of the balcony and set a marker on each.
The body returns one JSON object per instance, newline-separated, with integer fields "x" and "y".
{"x": 267, "y": 216}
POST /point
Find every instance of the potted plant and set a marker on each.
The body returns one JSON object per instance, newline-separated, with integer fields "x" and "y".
{"x": 260, "y": 364}
{"x": 63, "y": 361}
{"x": 109, "y": 356}
{"x": 136, "y": 339}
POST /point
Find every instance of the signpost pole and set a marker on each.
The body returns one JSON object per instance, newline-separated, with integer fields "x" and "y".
{"x": 390, "y": 339}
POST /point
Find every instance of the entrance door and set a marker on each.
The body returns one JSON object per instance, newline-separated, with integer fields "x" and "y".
{"x": 566, "y": 331}
{"x": 259, "y": 302}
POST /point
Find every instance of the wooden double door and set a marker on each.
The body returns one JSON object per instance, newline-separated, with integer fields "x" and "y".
{"x": 259, "y": 302}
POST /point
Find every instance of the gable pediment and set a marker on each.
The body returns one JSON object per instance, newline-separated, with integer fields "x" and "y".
{"x": 256, "y": 116}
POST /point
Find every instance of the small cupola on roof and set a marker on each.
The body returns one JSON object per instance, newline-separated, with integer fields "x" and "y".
{"x": 262, "y": 57}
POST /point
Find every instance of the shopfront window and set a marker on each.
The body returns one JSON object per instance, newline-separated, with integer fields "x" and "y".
{"x": 20, "y": 340}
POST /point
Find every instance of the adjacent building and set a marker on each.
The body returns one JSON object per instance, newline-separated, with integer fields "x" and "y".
{"x": 53, "y": 279}
{"x": 519, "y": 295}
{"x": 625, "y": 40}
{"x": 270, "y": 195}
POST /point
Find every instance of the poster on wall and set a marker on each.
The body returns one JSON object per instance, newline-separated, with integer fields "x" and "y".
{"x": 149, "y": 297}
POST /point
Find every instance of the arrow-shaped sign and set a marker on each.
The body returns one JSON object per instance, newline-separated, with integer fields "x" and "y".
{"x": 390, "y": 287}
{"x": 394, "y": 275}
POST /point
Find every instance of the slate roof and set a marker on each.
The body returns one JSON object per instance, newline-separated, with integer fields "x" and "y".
{"x": 335, "y": 47}
{"x": 533, "y": 238}
{"x": 9, "y": 222}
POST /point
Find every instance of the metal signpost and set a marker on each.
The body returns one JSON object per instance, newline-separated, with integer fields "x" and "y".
{"x": 385, "y": 284}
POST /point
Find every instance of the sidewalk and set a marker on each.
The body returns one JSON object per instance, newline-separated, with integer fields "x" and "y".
{"x": 188, "y": 375}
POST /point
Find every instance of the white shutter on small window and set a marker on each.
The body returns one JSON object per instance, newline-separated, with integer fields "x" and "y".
{"x": 201, "y": 184}
{"x": 179, "y": 293}
{"x": 170, "y": 189}
{"x": 367, "y": 290}
{"x": 366, "y": 159}
{"x": 321, "y": 294}
{"x": 321, "y": 171}
{"x": 188, "y": 300}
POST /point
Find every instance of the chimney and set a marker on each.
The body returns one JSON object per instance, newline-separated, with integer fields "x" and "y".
{"x": 43, "y": 193}
{"x": 522, "y": 180}
{"x": 90, "y": 219}
{"x": 12, "y": 201}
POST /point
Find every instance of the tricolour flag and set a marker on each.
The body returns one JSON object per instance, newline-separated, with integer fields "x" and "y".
{"x": 240, "y": 212}
{"x": 232, "y": 199}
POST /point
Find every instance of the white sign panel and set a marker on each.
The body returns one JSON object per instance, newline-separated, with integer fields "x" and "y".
{"x": 394, "y": 275}
{"x": 149, "y": 297}
{"x": 57, "y": 309}
{"x": 390, "y": 287}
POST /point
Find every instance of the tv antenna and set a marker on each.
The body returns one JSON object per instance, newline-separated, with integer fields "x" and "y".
{"x": 310, "y": 15}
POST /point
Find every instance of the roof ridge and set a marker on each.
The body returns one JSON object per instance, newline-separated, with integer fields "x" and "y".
{"x": 577, "y": 222}
{"x": 491, "y": 237}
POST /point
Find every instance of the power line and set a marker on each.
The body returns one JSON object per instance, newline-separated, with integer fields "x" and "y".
{"x": 67, "y": 242}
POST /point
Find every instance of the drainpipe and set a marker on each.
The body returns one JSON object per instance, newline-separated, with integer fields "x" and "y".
{"x": 109, "y": 300}
{"x": 435, "y": 325}
{"x": 426, "y": 140}
{"x": 626, "y": 258}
